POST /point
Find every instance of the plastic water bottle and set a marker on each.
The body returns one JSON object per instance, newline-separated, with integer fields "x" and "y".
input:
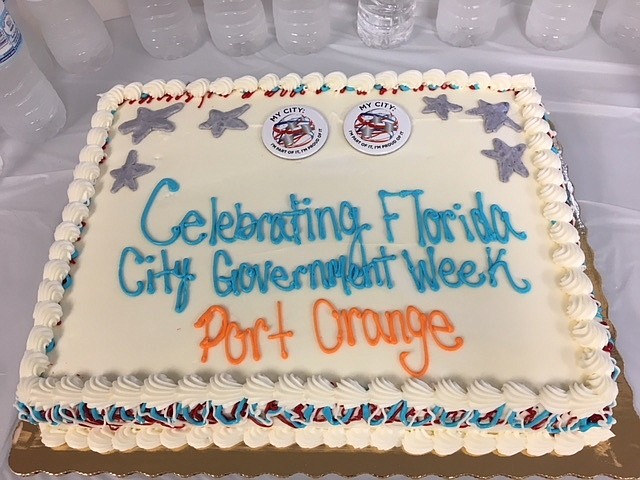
{"x": 74, "y": 33}
{"x": 558, "y": 24}
{"x": 302, "y": 26}
{"x": 30, "y": 108}
{"x": 237, "y": 27}
{"x": 31, "y": 36}
{"x": 464, "y": 23}
{"x": 167, "y": 29}
{"x": 385, "y": 23}
{"x": 620, "y": 25}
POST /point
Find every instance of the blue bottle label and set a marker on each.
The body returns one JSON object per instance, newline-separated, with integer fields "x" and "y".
{"x": 10, "y": 37}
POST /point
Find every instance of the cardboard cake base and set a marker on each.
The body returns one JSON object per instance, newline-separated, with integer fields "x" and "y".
{"x": 616, "y": 458}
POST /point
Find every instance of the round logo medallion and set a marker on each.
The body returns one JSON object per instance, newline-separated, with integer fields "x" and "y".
{"x": 377, "y": 127}
{"x": 295, "y": 132}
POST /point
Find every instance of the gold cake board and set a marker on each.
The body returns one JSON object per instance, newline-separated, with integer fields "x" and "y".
{"x": 616, "y": 458}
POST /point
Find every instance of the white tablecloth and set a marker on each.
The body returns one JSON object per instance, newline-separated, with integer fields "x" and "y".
{"x": 592, "y": 90}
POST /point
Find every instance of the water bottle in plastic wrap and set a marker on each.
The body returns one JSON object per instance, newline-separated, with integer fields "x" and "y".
{"x": 237, "y": 27}
{"x": 385, "y": 23}
{"x": 464, "y": 23}
{"x": 302, "y": 26}
{"x": 558, "y": 24}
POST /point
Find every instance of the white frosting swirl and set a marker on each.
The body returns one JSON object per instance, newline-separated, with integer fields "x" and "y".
{"x": 47, "y": 313}
{"x": 562, "y": 232}
{"x": 522, "y": 80}
{"x": 387, "y": 79}
{"x": 39, "y": 337}
{"x": 222, "y": 86}
{"x": 309, "y": 437}
{"x": 126, "y": 391}
{"x": 549, "y": 175}
{"x": 434, "y": 77}
{"x": 553, "y": 193}
{"x": 97, "y": 136}
{"x": 75, "y": 212}
{"x": 173, "y": 439}
{"x": 92, "y": 154}
{"x": 255, "y": 436}
{"x": 53, "y": 436}
{"x": 319, "y": 392}
{"x": 87, "y": 171}
{"x": 289, "y": 391}
{"x": 77, "y": 437}
{"x": 480, "y": 79}
{"x": 61, "y": 250}
{"x": 540, "y": 141}
{"x": 40, "y": 392}
{"x": 582, "y": 307}
{"x": 335, "y": 437}
{"x": 350, "y": 393}
{"x": 590, "y": 334}
{"x": 457, "y": 78}
{"x": 282, "y": 436}
{"x": 546, "y": 159}
{"x": 313, "y": 81}
{"x": 158, "y": 391}
{"x": 192, "y": 390}
{"x": 175, "y": 87}
{"x": 268, "y": 82}
{"x": 198, "y": 88}
{"x": 557, "y": 211}
{"x": 411, "y": 79}
{"x": 417, "y": 441}
{"x": 554, "y": 399}
{"x": 484, "y": 397}
{"x": 154, "y": 88}
{"x": 568, "y": 443}
{"x": 536, "y": 125}
{"x": 596, "y": 361}
{"x": 148, "y": 438}
{"x": 386, "y": 438}
{"x": 539, "y": 443}
{"x": 451, "y": 396}
{"x": 259, "y": 389}
{"x": 528, "y": 96}
{"x": 359, "y": 435}
{"x": 101, "y": 119}
{"x": 226, "y": 437}
{"x": 80, "y": 190}
{"x": 97, "y": 393}
{"x": 533, "y": 110}
{"x": 110, "y": 100}
{"x": 200, "y": 438}
{"x": 446, "y": 442}
{"x": 56, "y": 270}
{"x": 290, "y": 82}
{"x": 501, "y": 82}
{"x": 478, "y": 442}
{"x": 68, "y": 391}
{"x": 383, "y": 393}
{"x": 575, "y": 282}
{"x": 33, "y": 364}
{"x": 510, "y": 442}
{"x": 224, "y": 390}
{"x": 518, "y": 397}
{"x": 362, "y": 82}
{"x": 50, "y": 290}
{"x": 247, "y": 83}
{"x": 124, "y": 438}
{"x": 568, "y": 255}
{"x": 418, "y": 394}
{"x": 133, "y": 91}
{"x": 336, "y": 81}
{"x": 66, "y": 231}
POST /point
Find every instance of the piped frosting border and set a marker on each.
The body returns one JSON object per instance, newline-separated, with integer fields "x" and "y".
{"x": 590, "y": 397}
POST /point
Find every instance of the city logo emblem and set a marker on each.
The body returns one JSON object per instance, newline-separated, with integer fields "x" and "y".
{"x": 377, "y": 127}
{"x": 295, "y": 132}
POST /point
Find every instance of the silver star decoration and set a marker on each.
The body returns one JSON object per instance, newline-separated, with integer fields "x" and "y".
{"x": 149, "y": 121}
{"x": 220, "y": 121}
{"x": 494, "y": 116}
{"x": 509, "y": 159}
{"x": 440, "y": 106}
{"x": 126, "y": 175}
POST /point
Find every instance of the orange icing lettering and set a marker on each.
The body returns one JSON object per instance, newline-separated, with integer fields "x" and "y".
{"x": 234, "y": 337}
{"x": 413, "y": 324}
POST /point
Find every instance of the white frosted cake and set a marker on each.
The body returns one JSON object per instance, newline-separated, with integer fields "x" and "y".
{"x": 376, "y": 261}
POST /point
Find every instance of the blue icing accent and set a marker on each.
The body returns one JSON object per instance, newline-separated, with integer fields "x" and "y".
{"x": 475, "y": 419}
{"x": 239, "y": 413}
{"x": 144, "y": 96}
{"x": 555, "y": 150}
{"x": 275, "y": 89}
{"x": 67, "y": 282}
{"x": 350, "y": 89}
{"x": 50, "y": 346}
{"x": 452, "y": 423}
{"x": 185, "y": 412}
{"x": 263, "y": 418}
{"x": 325, "y": 88}
{"x": 404, "y": 88}
{"x": 75, "y": 254}
{"x": 433, "y": 87}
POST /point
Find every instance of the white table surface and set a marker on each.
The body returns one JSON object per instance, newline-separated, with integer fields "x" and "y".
{"x": 592, "y": 91}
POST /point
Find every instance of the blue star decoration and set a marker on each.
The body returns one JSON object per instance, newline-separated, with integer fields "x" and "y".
{"x": 220, "y": 121}
{"x": 440, "y": 106}
{"x": 148, "y": 121}
{"x": 126, "y": 176}
{"x": 494, "y": 116}
{"x": 509, "y": 159}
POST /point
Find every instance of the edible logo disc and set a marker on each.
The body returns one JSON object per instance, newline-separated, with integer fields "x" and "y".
{"x": 377, "y": 127}
{"x": 295, "y": 132}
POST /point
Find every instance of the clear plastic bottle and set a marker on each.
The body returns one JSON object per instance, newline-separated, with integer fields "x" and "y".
{"x": 167, "y": 29}
{"x": 237, "y": 27}
{"x": 385, "y": 23}
{"x": 620, "y": 24}
{"x": 464, "y": 23}
{"x": 30, "y": 109}
{"x": 74, "y": 33}
{"x": 302, "y": 26}
{"x": 558, "y": 24}
{"x": 31, "y": 36}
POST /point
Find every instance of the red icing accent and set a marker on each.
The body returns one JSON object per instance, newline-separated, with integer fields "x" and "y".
{"x": 247, "y": 94}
